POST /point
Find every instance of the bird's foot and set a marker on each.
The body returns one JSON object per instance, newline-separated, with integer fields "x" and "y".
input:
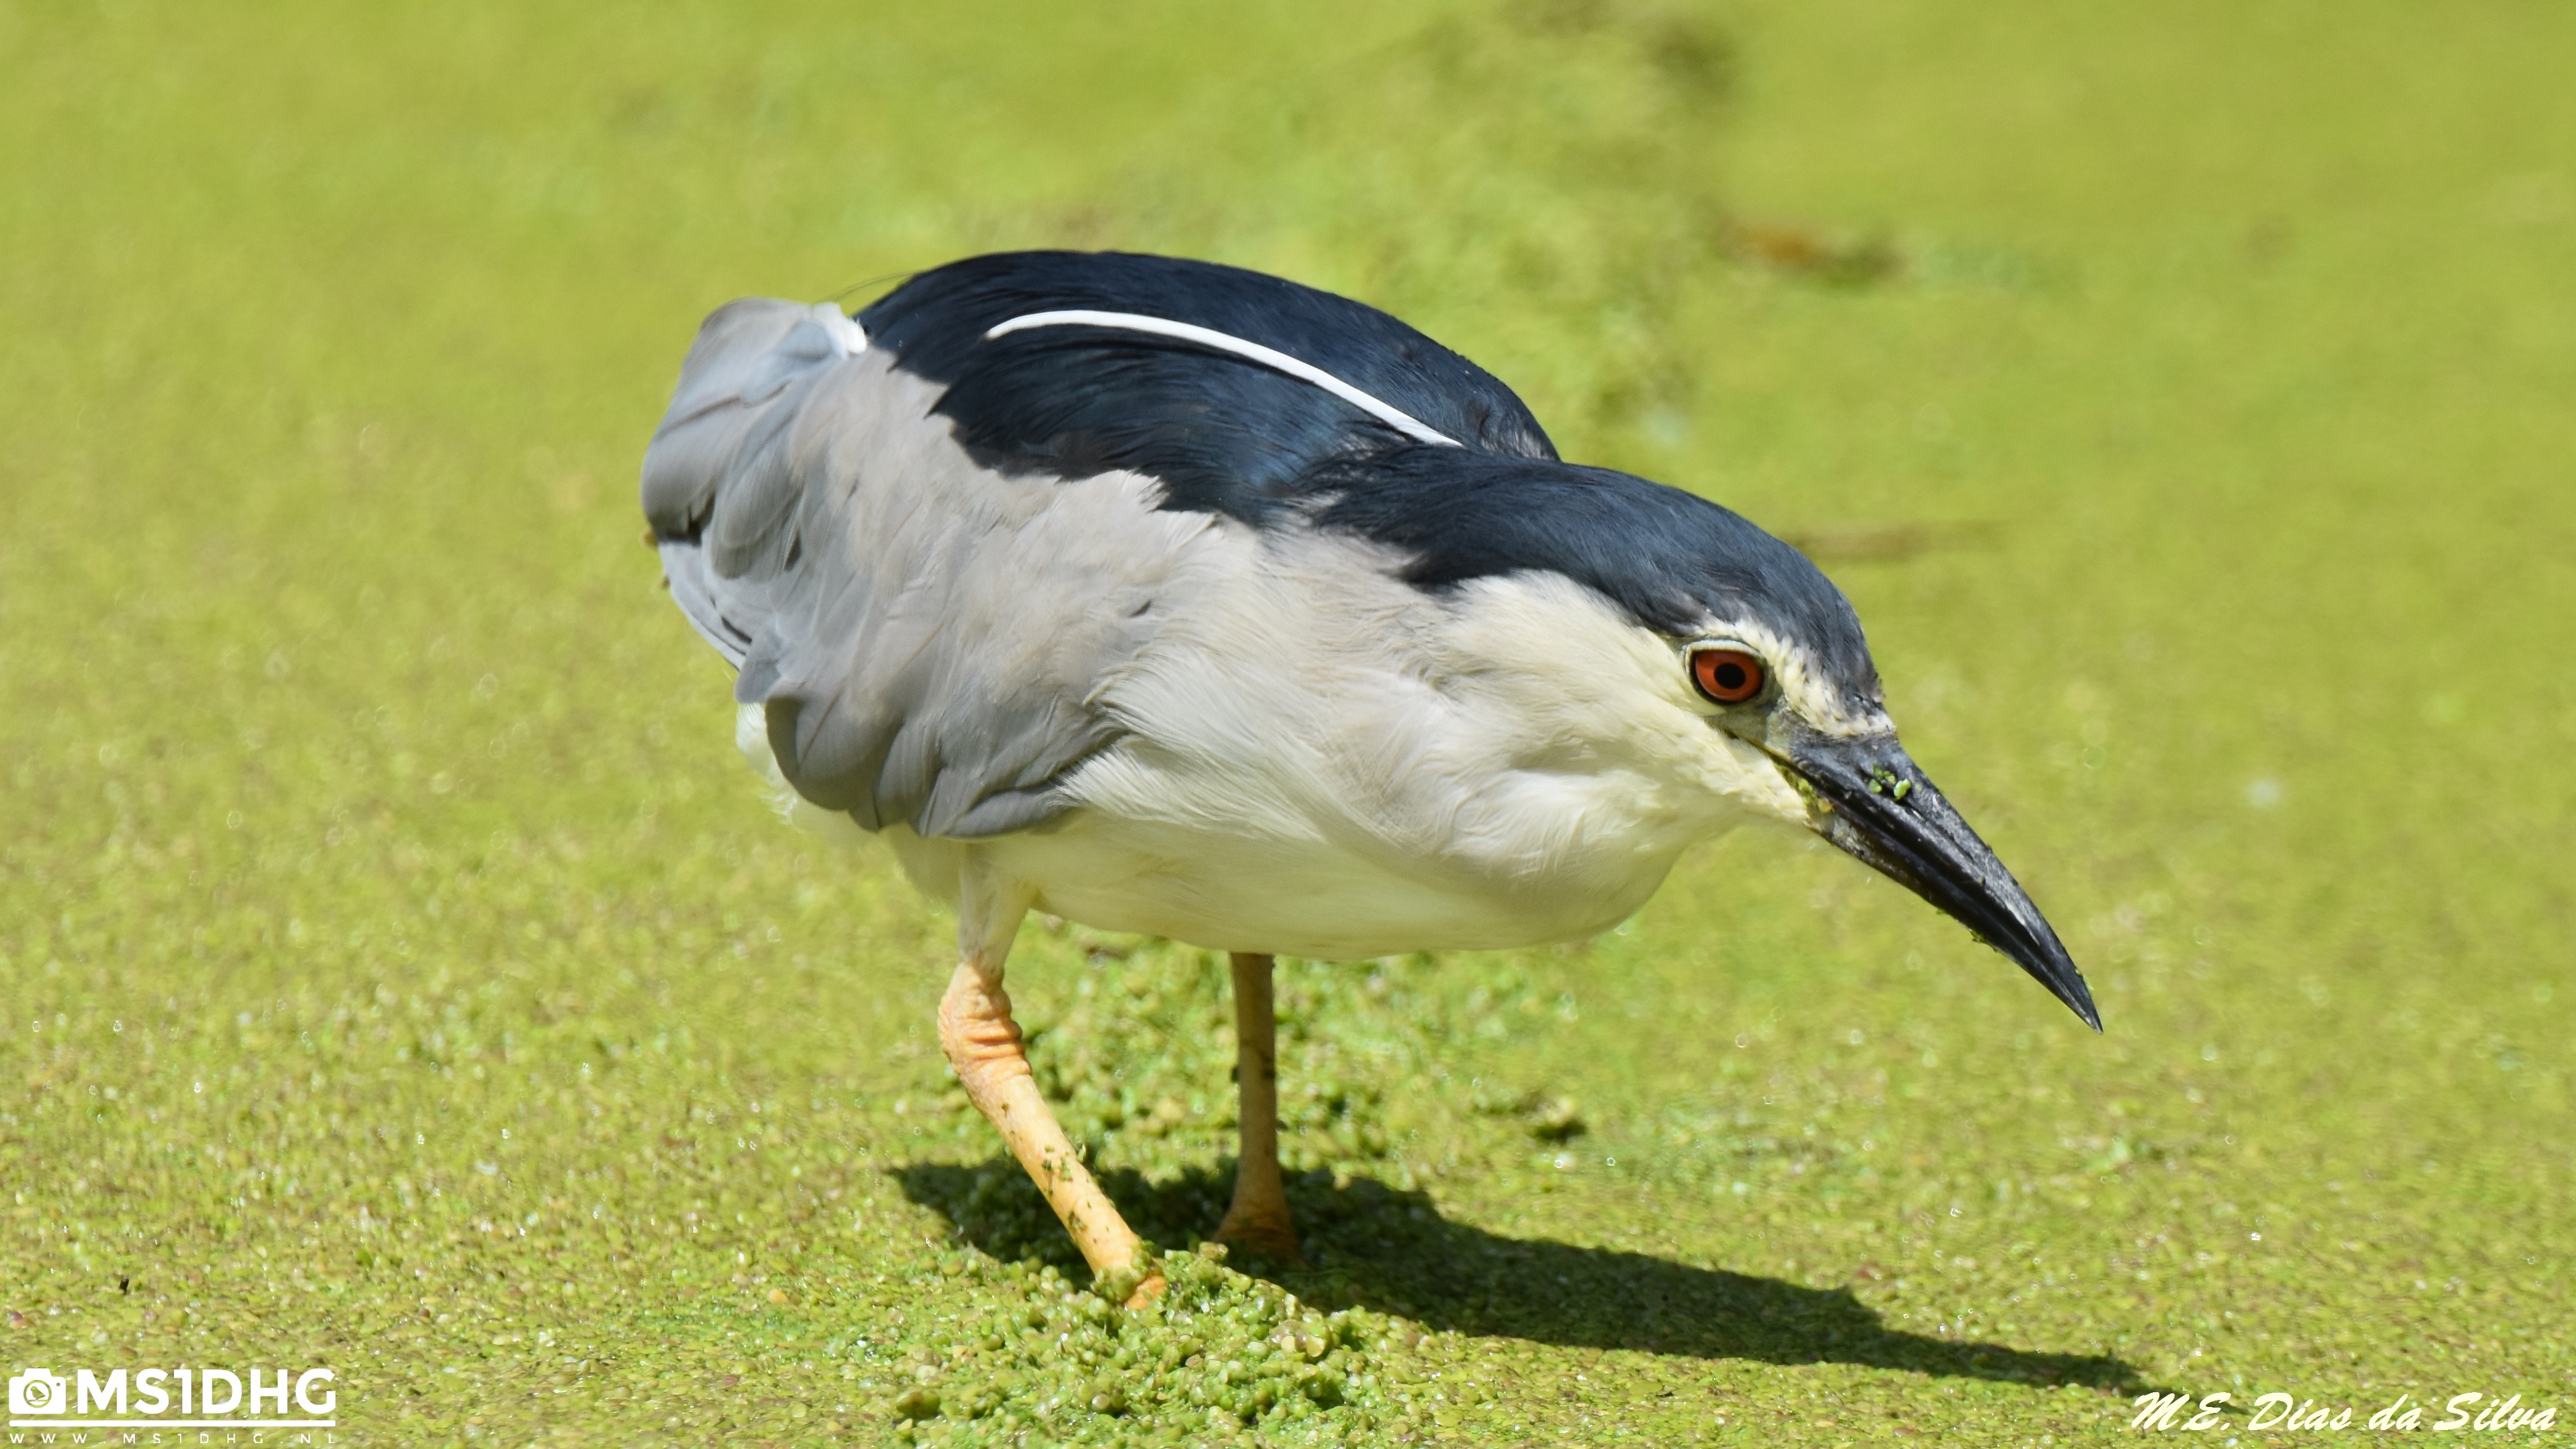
{"x": 1133, "y": 1286}
{"x": 1268, "y": 1233}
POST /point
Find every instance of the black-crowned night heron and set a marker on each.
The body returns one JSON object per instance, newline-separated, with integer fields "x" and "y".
{"x": 1178, "y": 599}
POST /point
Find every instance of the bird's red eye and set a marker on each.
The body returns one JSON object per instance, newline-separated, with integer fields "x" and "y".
{"x": 1728, "y": 676}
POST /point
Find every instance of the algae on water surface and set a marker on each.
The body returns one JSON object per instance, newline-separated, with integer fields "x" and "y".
{"x": 401, "y": 974}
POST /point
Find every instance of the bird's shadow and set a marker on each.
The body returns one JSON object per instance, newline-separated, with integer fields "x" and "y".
{"x": 1387, "y": 1249}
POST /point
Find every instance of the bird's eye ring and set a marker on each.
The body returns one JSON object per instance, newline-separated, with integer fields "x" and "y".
{"x": 1727, "y": 676}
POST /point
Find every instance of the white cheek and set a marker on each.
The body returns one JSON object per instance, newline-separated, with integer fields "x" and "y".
{"x": 1752, "y": 781}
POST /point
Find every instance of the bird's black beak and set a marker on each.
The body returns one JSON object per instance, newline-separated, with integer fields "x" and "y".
{"x": 1868, "y": 797}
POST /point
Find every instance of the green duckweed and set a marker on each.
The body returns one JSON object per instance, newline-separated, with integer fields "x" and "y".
{"x": 400, "y": 973}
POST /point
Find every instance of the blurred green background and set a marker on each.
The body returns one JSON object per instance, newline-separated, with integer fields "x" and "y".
{"x": 402, "y": 973}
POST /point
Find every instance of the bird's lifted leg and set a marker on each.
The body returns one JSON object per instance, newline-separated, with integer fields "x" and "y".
{"x": 983, "y": 1044}
{"x": 1258, "y": 1220}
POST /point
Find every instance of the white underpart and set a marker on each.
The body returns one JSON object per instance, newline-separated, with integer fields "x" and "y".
{"x": 1269, "y": 357}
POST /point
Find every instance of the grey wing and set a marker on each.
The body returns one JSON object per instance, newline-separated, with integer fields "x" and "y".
{"x": 928, "y": 637}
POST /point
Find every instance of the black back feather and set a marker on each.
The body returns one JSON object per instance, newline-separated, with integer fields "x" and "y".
{"x": 1224, "y": 434}
{"x": 1227, "y": 435}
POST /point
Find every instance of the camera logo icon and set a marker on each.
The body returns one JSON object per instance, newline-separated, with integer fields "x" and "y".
{"x": 38, "y": 1391}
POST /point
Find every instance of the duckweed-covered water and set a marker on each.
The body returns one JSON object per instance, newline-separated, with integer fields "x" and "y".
{"x": 401, "y": 974}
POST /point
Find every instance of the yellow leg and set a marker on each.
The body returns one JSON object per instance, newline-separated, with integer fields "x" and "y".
{"x": 1259, "y": 1217}
{"x": 983, "y": 1044}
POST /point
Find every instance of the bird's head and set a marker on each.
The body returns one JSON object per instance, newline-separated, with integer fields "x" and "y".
{"x": 1731, "y": 638}
{"x": 1776, "y": 661}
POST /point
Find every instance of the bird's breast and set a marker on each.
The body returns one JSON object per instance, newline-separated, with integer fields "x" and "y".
{"x": 1310, "y": 896}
